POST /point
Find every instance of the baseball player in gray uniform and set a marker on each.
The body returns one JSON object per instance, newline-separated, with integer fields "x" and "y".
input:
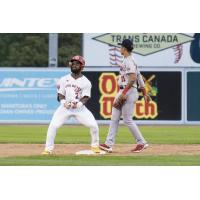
{"x": 125, "y": 100}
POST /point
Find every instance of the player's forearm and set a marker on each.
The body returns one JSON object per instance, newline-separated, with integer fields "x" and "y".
{"x": 141, "y": 85}
{"x": 79, "y": 104}
{"x": 61, "y": 97}
{"x": 143, "y": 90}
{"x": 140, "y": 81}
{"x": 132, "y": 78}
{"x": 84, "y": 100}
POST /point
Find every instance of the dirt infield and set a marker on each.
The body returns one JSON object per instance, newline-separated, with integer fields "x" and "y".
{"x": 14, "y": 150}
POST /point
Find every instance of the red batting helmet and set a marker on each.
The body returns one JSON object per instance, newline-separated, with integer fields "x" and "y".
{"x": 79, "y": 59}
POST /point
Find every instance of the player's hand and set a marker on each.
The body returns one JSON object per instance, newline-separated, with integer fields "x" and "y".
{"x": 122, "y": 98}
{"x": 75, "y": 105}
{"x": 67, "y": 105}
{"x": 147, "y": 98}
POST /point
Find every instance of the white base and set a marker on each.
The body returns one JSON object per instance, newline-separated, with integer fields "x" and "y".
{"x": 89, "y": 152}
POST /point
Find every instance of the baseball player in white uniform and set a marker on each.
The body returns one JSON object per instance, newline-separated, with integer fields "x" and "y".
{"x": 125, "y": 100}
{"x": 74, "y": 91}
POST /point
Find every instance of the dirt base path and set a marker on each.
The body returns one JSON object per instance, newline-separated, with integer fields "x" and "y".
{"x": 14, "y": 150}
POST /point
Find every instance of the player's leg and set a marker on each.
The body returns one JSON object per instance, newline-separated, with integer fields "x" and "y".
{"x": 127, "y": 113}
{"x": 59, "y": 118}
{"x": 85, "y": 117}
{"x": 113, "y": 128}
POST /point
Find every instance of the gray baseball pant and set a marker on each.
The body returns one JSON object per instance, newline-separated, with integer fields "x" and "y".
{"x": 127, "y": 113}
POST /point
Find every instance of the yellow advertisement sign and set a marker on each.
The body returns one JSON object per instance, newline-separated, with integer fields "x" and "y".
{"x": 108, "y": 89}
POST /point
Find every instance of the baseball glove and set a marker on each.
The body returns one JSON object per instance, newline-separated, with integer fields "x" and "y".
{"x": 119, "y": 103}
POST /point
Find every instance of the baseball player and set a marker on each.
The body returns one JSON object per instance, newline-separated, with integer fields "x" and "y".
{"x": 125, "y": 100}
{"x": 74, "y": 91}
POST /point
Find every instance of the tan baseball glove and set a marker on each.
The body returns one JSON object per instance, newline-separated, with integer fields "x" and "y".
{"x": 119, "y": 102}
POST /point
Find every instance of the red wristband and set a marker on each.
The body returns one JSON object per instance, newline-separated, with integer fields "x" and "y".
{"x": 125, "y": 90}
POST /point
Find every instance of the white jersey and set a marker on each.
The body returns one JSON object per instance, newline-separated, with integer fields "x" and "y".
{"x": 128, "y": 66}
{"x": 59, "y": 82}
{"x": 74, "y": 89}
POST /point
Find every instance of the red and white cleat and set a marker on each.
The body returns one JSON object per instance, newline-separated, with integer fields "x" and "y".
{"x": 105, "y": 148}
{"x": 139, "y": 148}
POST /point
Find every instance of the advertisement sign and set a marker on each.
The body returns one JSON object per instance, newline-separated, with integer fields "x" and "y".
{"x": 193, "y": 96}
{"x": 28, "y": 95}
{"x": 165, "y": 94}
{"x": 150, "y": 49}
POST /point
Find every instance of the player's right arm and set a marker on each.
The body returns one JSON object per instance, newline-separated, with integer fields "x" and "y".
{"x": 61, "y": 90}
{"x": 63, "y": 101}
{"x": 58, "y": 83}
{"x": 58, "y": 87}
{"x": 61, "y": 95}
{"x": 131, "y": 73}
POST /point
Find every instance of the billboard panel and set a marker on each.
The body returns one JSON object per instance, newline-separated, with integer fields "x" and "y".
{"x": 28, "y": 95}
{"x": 150, "y": 49}
{"x": 163, "y": 87}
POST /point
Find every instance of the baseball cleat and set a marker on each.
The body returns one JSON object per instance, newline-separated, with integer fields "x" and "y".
{"x": 106, "y": 148}
{"x": 139, "y": 148}
{"x": 96, "y": 149}
{"x": 46, "y": 152}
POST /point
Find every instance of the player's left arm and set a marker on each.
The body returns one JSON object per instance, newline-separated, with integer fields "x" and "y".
{"x": 147, "y": 98}
{"x": 84, "y": 100}
{"x": 86, "y": 93}
{"x": 141, "y": 83}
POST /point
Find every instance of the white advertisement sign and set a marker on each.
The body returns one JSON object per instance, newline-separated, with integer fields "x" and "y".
{"x": 150, "y": 49}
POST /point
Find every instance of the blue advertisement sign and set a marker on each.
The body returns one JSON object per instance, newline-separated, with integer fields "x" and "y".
{"x": 28, "y": 95}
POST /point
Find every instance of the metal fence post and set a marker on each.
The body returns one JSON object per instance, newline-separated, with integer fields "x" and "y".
{"x": 53, "y": 49}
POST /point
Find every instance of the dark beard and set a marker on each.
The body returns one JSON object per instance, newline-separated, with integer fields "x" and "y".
{"x": 75, "y": 71}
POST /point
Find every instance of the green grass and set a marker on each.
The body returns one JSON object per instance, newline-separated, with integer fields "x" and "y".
{"x": 79, "y": 134}
{"x": 102, "y": 161}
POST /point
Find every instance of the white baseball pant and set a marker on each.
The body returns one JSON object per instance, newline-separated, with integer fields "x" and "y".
{"x": 83, "y": 115}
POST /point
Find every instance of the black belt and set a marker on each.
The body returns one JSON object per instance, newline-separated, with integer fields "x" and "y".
{"x": 121, "y": 87}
